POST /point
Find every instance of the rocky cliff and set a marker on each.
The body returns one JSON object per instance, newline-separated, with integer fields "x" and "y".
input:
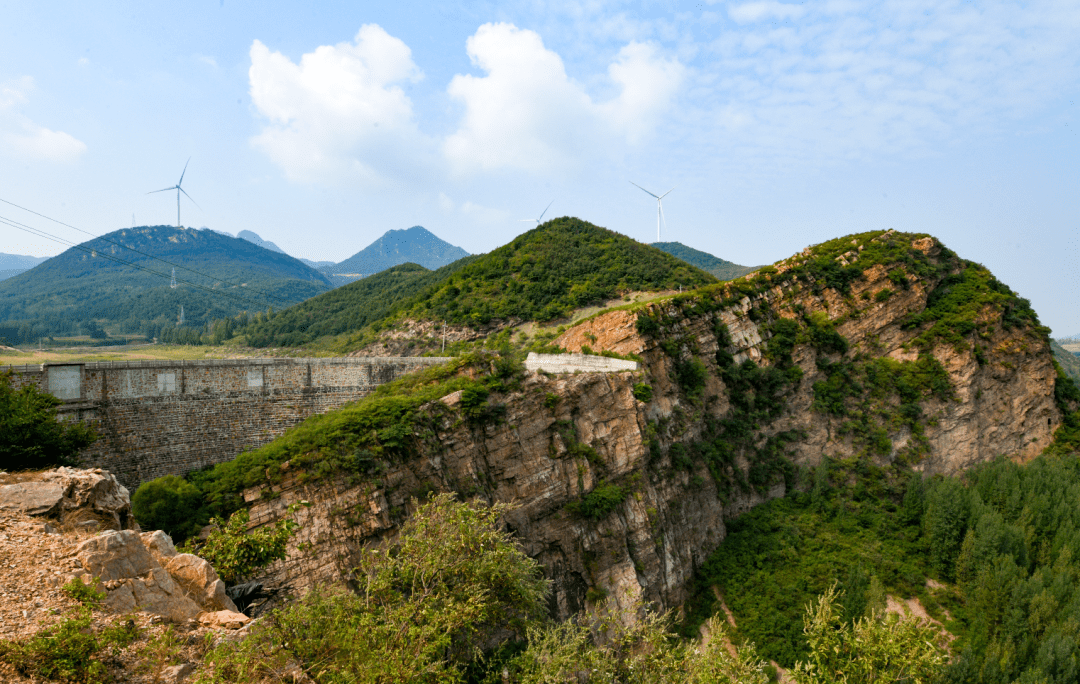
{"x": 879, "y": 346}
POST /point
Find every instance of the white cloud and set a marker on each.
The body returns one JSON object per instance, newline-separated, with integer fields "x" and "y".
{"x": 527, "y": 113}
{"x": 898, "y": 77}
{"x": 757, "y": 11}
{"x": 21, "y": 137}
{"x": 340, "y": 111}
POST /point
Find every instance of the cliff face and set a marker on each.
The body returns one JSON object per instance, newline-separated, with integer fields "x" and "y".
{"x": 624, "y": 481}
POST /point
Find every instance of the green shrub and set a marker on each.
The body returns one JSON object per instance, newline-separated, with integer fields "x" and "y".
{"x": 602, "y": 500}
{"x": 30, "y": 434}
{"x": 86, "y": 594}
{"x": 691, "y": 375}
{"x": 883, "y": 295}
{"x": 71, "y": 651}
{"x": 642, "y": 392}
{"x": 171, "y": 504}
{"x": 237, "y": 552}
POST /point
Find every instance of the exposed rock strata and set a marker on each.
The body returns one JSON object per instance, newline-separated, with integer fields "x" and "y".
{"x": 651, "y": 543}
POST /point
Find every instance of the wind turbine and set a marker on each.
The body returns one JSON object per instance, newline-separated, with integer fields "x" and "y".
{"x": 537, "y": 220}
{"x": 659, "y": 206}
{"x": 178, "y": 190}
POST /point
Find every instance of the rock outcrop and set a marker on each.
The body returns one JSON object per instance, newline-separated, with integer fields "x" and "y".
{"x": 91, "y": 498}
{"x": 699, "y": 435}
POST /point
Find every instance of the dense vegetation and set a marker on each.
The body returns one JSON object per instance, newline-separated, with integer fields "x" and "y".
{"x": 723, "y": 270}
{"x": 547, "y": 272}
{"x": 455, "y": 600}
{"x": 70, "y": 291}
{"x": 30, "y": 434}
{"x": 348, "y": 308}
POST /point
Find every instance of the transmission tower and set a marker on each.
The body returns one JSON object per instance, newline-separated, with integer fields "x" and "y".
{"x": 180, "y": 321}
{"x": 173, "y": 283}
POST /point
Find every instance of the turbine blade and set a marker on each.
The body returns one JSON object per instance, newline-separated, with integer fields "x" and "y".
{"x": 667, "y": 193}
{"x": 642, "y": 189}
{"x": 183, "y": 172}
{"x": 188, "y": 196}
{"x": 161, "y": 190}
{"x": 545, "y": 211}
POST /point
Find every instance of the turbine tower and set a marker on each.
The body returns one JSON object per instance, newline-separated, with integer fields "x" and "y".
{"x": 659, "y": 206}
{"x": 537, "y": 220}
{"x": 178, "y": 190}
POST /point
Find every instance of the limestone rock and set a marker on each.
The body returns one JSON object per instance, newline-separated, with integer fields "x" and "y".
{"x": 93, "y": 491}
{"x": 32, "y": 498}
{"x": 224, "y": 619}
{"x": 144, "y": 584}
{"x": 115, "y": 555}
{"x": 200, "y": 581}
{"x": 175, "y": 674}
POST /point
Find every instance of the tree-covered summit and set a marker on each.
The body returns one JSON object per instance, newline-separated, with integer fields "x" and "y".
{"x": 547, "y": 272}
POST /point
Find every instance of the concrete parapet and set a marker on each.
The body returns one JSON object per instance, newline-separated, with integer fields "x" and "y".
{"x": 570, "y": 363}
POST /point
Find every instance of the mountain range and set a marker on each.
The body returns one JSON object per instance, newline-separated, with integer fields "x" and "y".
{"x": 416, "y": 245}
{"x": 724, "y": 270}
{"x": 14, "y": 264}
{"x": 122, "y": 279}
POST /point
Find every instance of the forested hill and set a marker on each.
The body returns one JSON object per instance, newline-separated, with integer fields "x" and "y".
{"x": 416, "y": 245}
{"x": 542, "y": 275}
{"x": 88, "y": 283}
{"x": 724, "y": 270}
{"x": 348, "y": 308}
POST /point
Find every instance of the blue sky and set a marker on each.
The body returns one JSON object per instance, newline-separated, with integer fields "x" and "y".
{"x": 321, "y": 125}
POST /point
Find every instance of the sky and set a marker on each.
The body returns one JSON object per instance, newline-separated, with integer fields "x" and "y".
{"x": 320, "y": 126}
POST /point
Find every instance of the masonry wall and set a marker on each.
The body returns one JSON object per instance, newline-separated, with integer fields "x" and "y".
{"x": 158, "y": 418}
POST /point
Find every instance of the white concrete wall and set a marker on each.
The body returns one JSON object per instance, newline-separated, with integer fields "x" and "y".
{"x": 569, "y": 363}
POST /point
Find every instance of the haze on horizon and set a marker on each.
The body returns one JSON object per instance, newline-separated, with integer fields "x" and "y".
{"x": 781, "y": 124}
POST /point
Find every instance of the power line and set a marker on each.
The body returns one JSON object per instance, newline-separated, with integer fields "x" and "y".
{"x": 118, "y": 244}
{"x": 94, "y": 253}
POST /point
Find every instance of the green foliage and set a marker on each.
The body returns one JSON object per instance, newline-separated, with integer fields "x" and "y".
{"x": 724, "y": 270}
{"x": 691, "y": 375}
{"x": 30, "y": 434}
{"x": 86, "y": 594}
{"x": 68, "y": 292}
{"x": 642, "y": 392}
{"x": 868, "y": 650}
{"x": 237, "y": 552}
{"x": 348, "y": 308}
{"x": 781, "y": 555}
{"x": 545, "y": 273}
{"x": 605, "y": 498}
{"x": 422, "y": 608}
{"x": 883, "y": 295}
{"x": 642, "y": 650}
{"x": 382, "y": 427}
{"x": 72, "y": 651}
{"x": 956, "y": 310}
{"x": 172, "y": 504}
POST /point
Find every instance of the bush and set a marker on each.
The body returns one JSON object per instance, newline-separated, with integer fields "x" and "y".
{"x": 642, "y": 392}
{"x": 602, "y": 500}
{"x": 30, "y": 434}
{"x": 236, "y": 552}
{"x": 171, "y": 504}
{"x": 71, "y": 651}
{"x": 86, "y": 594}
{"x": 691, "y": 375}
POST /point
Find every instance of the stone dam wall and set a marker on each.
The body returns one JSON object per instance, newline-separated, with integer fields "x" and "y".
{"x": 159, "y": 418}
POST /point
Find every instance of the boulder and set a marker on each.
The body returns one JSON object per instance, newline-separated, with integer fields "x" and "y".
{"x": 93, "y": 491}
{"x": 143, "y": 583}
{"x": 32, "y": 498}
{"x": 195, "y": 575}
{"x": 115, "y": 555}
{"x": 225, "y": 619}
{"x": 200, "y": 581}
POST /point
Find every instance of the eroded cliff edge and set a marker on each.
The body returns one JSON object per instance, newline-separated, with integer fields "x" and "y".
{"x": 884, "y": 346}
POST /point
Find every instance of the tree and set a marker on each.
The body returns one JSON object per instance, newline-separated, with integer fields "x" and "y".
{"x": 879, "y": 649}
{"x": 172, "y": 504}
{"x": 31, "y": 436}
